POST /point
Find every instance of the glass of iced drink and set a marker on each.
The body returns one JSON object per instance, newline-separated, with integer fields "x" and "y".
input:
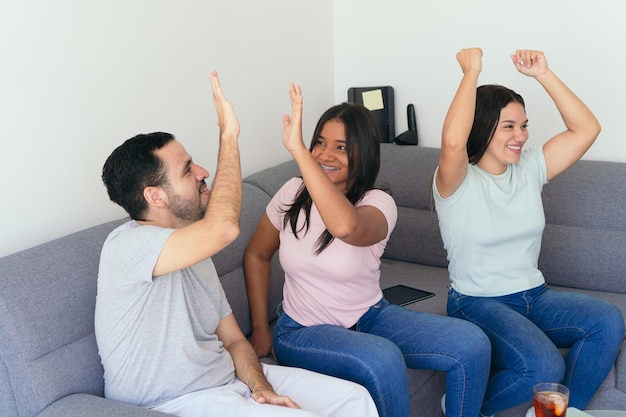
{"x": 550, "y": 399}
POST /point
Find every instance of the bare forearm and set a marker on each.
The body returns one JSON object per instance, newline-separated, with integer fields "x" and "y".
{"x": 247, "y": 366}
{"x": 338, "y": 214}
{"x": 248, "y": 369}
{"x": 225, "y": 200}
{"x": 458, "y": 124}
{"x": 460, "y": 116}
{"x": 576, "y": 115}
{"x": 257, "y": 275}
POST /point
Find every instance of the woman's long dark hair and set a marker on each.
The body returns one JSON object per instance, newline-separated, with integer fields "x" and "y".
{"x": 363, "y": 147}
{"x": 490, "y": 99}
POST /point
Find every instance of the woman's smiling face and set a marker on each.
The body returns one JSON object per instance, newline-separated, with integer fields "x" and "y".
{"x": 331, "y": 153}
{"x": 508, "y": 139}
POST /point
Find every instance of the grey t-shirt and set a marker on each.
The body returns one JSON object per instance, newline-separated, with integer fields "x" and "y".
{"x": 156, "y": 336}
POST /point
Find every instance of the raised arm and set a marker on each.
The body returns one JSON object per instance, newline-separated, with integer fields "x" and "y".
{"x": 257, "y": 267}
{"x": 220, "y": 225}
{"x": 359, "y": 226}
{"x": 458, "y": 123}
{"x": 582, "y": 127}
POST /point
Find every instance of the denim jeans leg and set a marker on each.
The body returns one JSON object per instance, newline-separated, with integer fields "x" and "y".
{"x": 429, "y": 341}
{"x": 522, "y": 355}
{"x": 369, "y": 360}
{"x": 591, "y": 328}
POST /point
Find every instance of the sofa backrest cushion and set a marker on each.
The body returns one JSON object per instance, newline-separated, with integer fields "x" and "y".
{"x": 416, "y": 238}
{"x": 577, "y": 257}
{"x": 406, "y": 172}
{"x": 8, "y": 407}
{"x": 271, "y": 179}
{"x": 584, "y": 243}
{"x": 47, "y": 299}
{"x": 229, "y": 261}
{"x": 591, "y": 194}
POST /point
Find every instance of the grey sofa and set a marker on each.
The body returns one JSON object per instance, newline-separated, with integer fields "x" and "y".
{"x": 49, "y": 364}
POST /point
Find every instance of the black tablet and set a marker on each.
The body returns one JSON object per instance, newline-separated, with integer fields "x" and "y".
{"x": 403, "y": 295}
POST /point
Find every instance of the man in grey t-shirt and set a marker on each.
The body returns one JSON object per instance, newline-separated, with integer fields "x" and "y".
{"x": 165, "y": 331}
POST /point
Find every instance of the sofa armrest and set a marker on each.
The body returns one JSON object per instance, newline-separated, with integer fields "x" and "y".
{"x": 87, "y": 405}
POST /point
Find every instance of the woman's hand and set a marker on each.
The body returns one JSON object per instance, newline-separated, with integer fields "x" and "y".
{"x": 261, "y": 341}
{"x": 470, "y": 59}
{"x": 292, "y": 126}
{"x": 530, "y": 63}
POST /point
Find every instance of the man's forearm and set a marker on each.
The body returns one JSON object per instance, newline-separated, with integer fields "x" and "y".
{"x": 247, "y": 366}
{"x": 225, "y": 201}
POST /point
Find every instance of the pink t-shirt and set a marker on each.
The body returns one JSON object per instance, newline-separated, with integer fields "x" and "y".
{"x": 341, "y": 283}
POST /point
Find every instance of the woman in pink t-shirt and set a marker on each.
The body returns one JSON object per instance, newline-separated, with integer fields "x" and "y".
{"x": 331, "y": 227}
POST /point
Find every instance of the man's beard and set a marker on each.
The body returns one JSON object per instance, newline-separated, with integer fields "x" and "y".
{"x": 186, "y": 210}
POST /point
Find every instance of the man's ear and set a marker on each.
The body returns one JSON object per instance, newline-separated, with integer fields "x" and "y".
{"x": 155, "y": 196}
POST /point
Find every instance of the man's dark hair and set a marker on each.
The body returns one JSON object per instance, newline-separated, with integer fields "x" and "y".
{"x": 131, "y": 168}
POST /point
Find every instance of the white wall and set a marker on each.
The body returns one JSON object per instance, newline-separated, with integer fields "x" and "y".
{"x": 77, "y": 78}
{"x": 411, "y": 45}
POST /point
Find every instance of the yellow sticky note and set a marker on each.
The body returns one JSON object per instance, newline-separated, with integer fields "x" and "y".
{"x": 373, "y": 99}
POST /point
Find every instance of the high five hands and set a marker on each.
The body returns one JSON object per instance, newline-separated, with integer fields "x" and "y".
{"x": 292, "y": 126}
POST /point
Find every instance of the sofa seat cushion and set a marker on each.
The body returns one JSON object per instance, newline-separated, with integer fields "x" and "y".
{"x": 423, "y": 277}
{"x": 93, "y": 406}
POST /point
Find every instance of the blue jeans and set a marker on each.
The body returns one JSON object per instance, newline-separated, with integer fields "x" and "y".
{"x": 386, "y": 341}
{"x": 527, "y": 329}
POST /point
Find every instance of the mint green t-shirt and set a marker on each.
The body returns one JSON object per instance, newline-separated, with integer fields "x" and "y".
{"x": 491, "y": 228}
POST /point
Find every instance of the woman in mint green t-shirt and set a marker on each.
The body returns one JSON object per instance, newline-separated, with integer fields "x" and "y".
{"x": 487, "y": 193}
